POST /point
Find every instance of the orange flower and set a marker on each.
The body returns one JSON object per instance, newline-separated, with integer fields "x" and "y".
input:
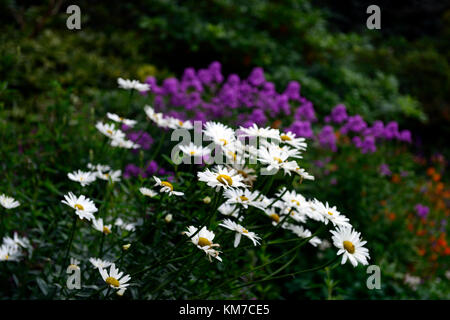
{"x": 410, "y": 227}
{"x": 421, "y": 252}
{"x": 439, "y": 187}
{"x": 391, "y": 216}
{"x": 434, "y": 256}
{"x": 447, "y": 251}
{"x": 396, "y": 178}
{"x": 430, "y": 171}
{"x": 420, "y": 232}
{"x": 442, "y": 242}
{"x": 436, "y": 177}
{"x": 383, "y": 202}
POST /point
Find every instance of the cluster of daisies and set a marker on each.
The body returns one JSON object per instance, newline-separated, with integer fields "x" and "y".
{"x": 12, "y": 249}
{"x": 94, "y": 172}
{"x": 242, "y": 159}
{"x": 245, "y": 155}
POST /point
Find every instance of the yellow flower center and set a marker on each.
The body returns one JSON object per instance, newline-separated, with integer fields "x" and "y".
{"x": 121, "y": 119}
{"x": 109, "y": 132}
{"x": 244, "y": 230}
{"x": 224, "y": 141}
{"x": 6, "y": 257}
{"x": 285, "y": 137}
{"x": 243, "y": 173}
{"x": 233, "y": 154}
{"x": 275, "y": 217}
{"x": 180, "y": 122}
{"x": 106, "y": 230}
{"x": 112, "y": 281}
{"x": 330, "y": 213}
{"x": 277, "y": 159}
{"x": 79, "y": 207}
{"x": 202, "y": 242}
{"x": 295, "y": 201}
{"x": 350, "y": 247}
{"x": 192, "y": 153}
{"x": 224, "y": 179}
{"x": 243, "y": 198}
{"x": 167, "y": 184}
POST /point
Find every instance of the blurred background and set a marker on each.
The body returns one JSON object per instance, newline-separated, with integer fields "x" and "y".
{"x": 399, "y": 73}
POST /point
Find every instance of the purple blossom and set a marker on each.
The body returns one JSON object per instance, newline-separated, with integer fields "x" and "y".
{"x": 355, "y": 123}
{"x": 327, "y": 138}
{"x": 384, "y": 170}
{"x": 391, "y": 130}
{"x": 306, "y": 112}
{"x": 293, "y": 90}
{"x": 141, "y": 138}
{"x": 368, "y": 145}
{"x": 422, "y": 211}
{"x": 131, "y": 170}
{"x": 338, "y": 114}
{"x": 301, "y": 129}
{"x": 405, "y": 136}
{"x": 256, "y": 77}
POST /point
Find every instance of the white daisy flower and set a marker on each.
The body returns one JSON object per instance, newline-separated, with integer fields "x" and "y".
{"x": 273, "y": 215}
{"x": 330, "y": 214}
{"x": 132, "y": 84}
{"x": 116, "y": 118}
{"x": 115, "y": 279}
{"x": 204, "y": 241}
{"x": 84, "y": 207}
{"x": 17, "y": 241}
{"x": 219, "y": 133}
{"x": 98, "y": 167}
{"x": 113, "y": 175}
{"x": 294, "y": 141}
{"x": 99, "y": 226}
{"x": 74, "y": 263}
{"x": 99, "y": 263}
{"x": 194, "y": 151}
{"x": 240, "y": 231}
{"x": 303, "y": 233}
{"x": 166, "y": 186}
{"x": 124, "y": 143}
{"x": 8, "y": 202}
{"x": 158, "y": 118}
{"x": 255, "y": 131}
{"x": 83, "y": 177}
{"x": 248, "y": 174}
{"x": 10, "y": 253}
{"x": 175, "y": 123}
{"x": 126, "y": 226}
{"x": 302, "y": 173}
{"x": 148, "y": 192}
{"x": 243, "y": 197}
{"x": 350, "y": 245}
{"x": 109, "y": 130}
{"x": 221, "y": 177}
{"x": 276, "y": 158}
{"x": 229, "y": 210}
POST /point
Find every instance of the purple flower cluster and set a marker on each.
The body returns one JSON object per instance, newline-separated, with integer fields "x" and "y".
{"x": 151, "y": 169}
{"x": 384, "y": 170}
{"x": 206, "y": 95}
{"x": 422, "y": 211}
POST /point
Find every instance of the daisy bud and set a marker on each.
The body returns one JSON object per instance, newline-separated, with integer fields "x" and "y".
{"x": 207, "y": 200}
{"x": 126, "y": 246}
{"x": 168, "y": 218}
